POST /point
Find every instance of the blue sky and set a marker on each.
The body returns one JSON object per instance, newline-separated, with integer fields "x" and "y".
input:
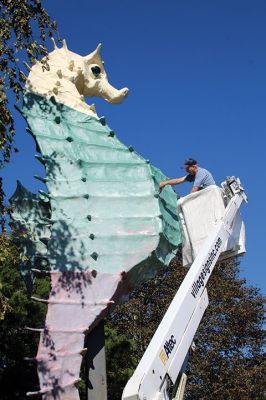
{"x": 196, "y": 71}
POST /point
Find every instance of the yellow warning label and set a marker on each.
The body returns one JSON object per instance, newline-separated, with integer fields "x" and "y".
{"x": 163, "y": 357}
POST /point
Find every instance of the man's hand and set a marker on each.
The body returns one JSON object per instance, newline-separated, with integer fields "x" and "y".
{"x": 195, "y": 189}
{"x": 161, "y": 186}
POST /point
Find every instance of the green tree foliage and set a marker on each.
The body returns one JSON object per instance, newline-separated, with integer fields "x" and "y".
{"x": 17, "y": 311}
{"x": 24, "y": 27}
{"x": 228, "y": 362}
{"x": 4, "y": 211}
{"x": 119, "y": 368}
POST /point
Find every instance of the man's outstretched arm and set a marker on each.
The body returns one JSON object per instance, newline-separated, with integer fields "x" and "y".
{"x": 175, "y": 181}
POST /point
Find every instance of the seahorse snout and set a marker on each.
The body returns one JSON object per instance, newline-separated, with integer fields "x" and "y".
{"x": 119, "y": 97}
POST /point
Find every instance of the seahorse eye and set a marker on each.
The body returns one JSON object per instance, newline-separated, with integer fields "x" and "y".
{"x": 96, "y": 70}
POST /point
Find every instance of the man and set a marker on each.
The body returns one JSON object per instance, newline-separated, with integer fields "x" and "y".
{"x": 200, "y": 177}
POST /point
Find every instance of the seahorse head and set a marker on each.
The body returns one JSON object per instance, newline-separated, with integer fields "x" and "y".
{"x": 69, "y": 77}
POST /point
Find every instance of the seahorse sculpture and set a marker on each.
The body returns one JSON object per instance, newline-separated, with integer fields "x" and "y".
{"x": 109, "y": 228}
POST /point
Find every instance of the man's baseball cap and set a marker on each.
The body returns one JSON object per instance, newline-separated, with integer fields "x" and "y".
{"x": 189, "y": 161}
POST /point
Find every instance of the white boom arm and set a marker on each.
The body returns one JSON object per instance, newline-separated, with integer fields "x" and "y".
{"x": 164, "y": 357}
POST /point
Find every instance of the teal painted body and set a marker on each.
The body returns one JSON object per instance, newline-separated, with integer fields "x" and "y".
{"x": 106, "y": 213}
{"x": 32, "y": 227}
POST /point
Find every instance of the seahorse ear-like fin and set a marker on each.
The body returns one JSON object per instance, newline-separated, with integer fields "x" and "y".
{"x": 94, "y": 54}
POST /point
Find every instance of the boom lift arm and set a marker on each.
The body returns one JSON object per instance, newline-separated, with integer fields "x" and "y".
{"x": 162, "y": 361}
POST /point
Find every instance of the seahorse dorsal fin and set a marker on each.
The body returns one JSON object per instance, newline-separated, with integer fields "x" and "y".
{"x": 65, "y": 45}
{"x": 55, "y": 45}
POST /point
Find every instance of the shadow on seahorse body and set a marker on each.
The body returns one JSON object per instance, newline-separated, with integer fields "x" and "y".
{"x": 110, "y": 229}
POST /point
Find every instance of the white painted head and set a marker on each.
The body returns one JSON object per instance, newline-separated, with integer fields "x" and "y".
{"x": 70, "y": 77}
